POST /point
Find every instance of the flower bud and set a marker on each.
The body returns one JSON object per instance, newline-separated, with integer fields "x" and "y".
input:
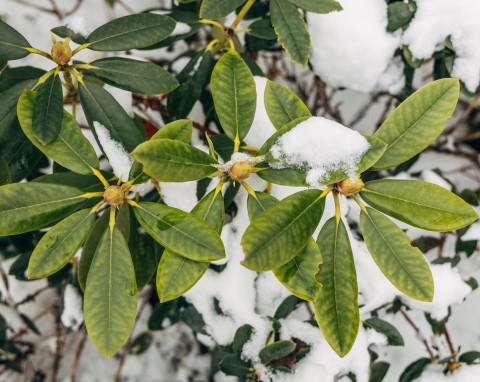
{"x": 61, "y": 53}
{"x": 114, "y": 195}
{"x": 240, "y": 170}
{"x": 350, "y": 186}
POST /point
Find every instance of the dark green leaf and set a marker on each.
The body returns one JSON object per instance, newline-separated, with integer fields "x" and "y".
{"x": 100, "y": 107}
{"x": 399, "y": 15}
{"x": 262, "y": 29}
{"x": 133, "y": 75}
{"x": 12, "y": 43}
{"x": 318, "y": 6}
{"x": 140, "y": 344}
{"x": 287, "y": 306}
{"x": 64, "y": 31}
{"x": 378, "y": 371}
{"x": 414, "y": 370}
{"x": 277, "y": 350}
{"x": 233, "y": 365}
{"x": 469, "y": 357}
{"x": 242, "y": 336}
{"x": 14, "y": 76}
{"x": 131, "y": 32}
{"x": 215, "y": 9}
{"x": 393, "y": 335}
{"x": 48, "y": 110}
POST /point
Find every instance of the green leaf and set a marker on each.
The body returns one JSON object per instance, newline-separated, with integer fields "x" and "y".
{"x": 291, "y": 30}
{"x": 180, "y": 130}
{"x": 277, "y": 350}
{"x": 287, "y": 306}
{"x": 5, "y": 176}
{"x": 404, "y": 265}
{"x": 234, "y": 95}
{"x": 215, "y": 9}
{"x": 59, "y": 244}
{"x": 193, "y": 79}
{"x": 417, "y": 122}
{"x": 87, "y": 183}
{"x": 14, "y": 76}
{"x": 89, "y": 248}
{"x": 299, "y": 274}
{"x": 48, "y": 110}
{"x": 420, "y": 204}
{"x": 262, "y": 29}
{"x": 176, "y": 274}
{"x": 26, "y": 207}
{"x": 414, "y": 370}
{"x": 12, "y": 43}
{"x": 70, "y": 149}
{"x": 469, "y": 357}
{"x": 318, "y": 6}
{"x": 100, "y": 106}
{"x": 133, "y": 75}
{"x": 131, "y": 32}
{"x": 64, "y": 31}
{"x": 337, "y": 308}
{"x": 399, "y": 15}
{"x": 232, "y": 364}
{"x": 374, "y": 153}
{"x": 279, "y": 233}
{"x": 110, "y": 303}
{"x": 242, "y": 336}
{"x": 393, "y": 335}
{"x": 172, "y": 161}
{"x": 378, "y": 371}
{"x": 180, "y": 232}
{"x": 282, "y": 105}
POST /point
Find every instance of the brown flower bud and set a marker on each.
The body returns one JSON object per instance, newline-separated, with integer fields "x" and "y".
{"x": 240, "y": 170}
{"x": 350, "y": 186}
{"x": 114, "y": 195}
{"x": 61, "y": 53}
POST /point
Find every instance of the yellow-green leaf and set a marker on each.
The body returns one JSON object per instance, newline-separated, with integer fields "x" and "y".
{"x": 417, "y": 122}
{"x": 337, "y": 308}
{"x": 59, "y": 244}
{"x": 404, "y": 265}
{"x": 110, "y": 303}
{"x": 420, "y": 204}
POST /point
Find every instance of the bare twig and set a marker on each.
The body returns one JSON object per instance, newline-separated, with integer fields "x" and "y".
{"x": 78, "y": 355}
{"x": 418, "y": 332}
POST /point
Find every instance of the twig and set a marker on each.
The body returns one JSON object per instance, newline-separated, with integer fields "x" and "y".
{"x": 418, "y": 332}
{"x": 78, "y": 355}
{"x": 449, "y": 340}
{"x": 31, "y": 296}
{"x": 60, "y": 334}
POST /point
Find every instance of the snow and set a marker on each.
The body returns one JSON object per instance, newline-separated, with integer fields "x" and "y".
{"x": 78, "y": 25}
{"x": 434, "y": 21}
{"x": 320, "y": 146}
{"x": 72, "y": 315}
{"x": 467, "y": 373}
{"x": 433, "y": 177}
{"x": 261, "y": 128}
{"x": 449, "y": 289}
{"x": 120, "y": 160}
{"x": 352, "y": 48}
{"x": 473, "y": 232}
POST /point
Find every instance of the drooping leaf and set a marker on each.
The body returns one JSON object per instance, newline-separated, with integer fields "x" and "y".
{"x": 215, "y": 9}
{"x": 180, "y": 130}
{"x": 404, "y": 265}
{"x": 299, "y": 274}
{"x": 70, "y": 149}
{"x": 393, "y": 335}
{"x": 277, "y": 350}
{"x": 131, "y": 32}
{"x": 417, "y": 122}
{"x": 318, "y": 6}
{"x": 59, "y": 244}
{"x": 173, "y": 161}
{"x": 133, "y": 75}
{"x": 64, "y": 32}
{"x": 12, "y": 43}
{"x": 234, "y": 95}
{"x": 180, "y": 232}
{"x": 279, "y": 233}
{"x": 110, "y": 303}
{"x": 48, "y": 110}
{"x": 420, "y": 204}
{"x": 291, "y": 30}
{"x": 100, "y": 106}
{"x": 26, "y": 207}
{"x": 337, "y": 308}
{"x": 176, "y": 274}
{"x": 282, "y": 105}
